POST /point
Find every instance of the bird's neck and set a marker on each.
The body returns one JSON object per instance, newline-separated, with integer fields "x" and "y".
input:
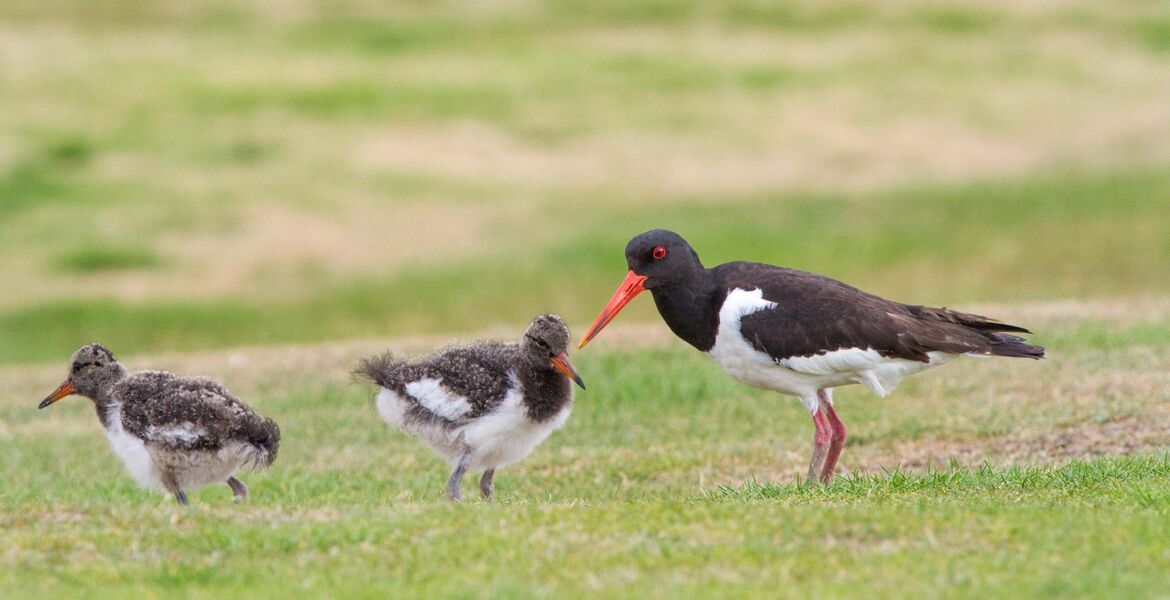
{"x": 104, "y": 398}
{"x": 546, "y": 392}
{"x": 691, "y": 309}
{"x": 101, "y": 404}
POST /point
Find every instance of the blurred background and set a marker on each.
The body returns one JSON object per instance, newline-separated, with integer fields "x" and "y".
{"x": 206, "y": 174}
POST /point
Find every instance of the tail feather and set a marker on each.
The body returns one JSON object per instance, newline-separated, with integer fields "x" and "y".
{"x": 1013, "y": 346}
{"x": 264, "y": 438}
{"x": 1001, "y": 344}
{"x": 379, "y": 369}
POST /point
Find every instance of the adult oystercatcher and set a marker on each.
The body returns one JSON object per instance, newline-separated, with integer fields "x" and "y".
{"x": 484, "y": 405}
{"x": 173, "y": 433}
{"x": 800, "y": 333}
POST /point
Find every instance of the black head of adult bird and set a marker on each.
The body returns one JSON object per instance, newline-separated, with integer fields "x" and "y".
{"x": 173, "y": 433}
{"x": 483, "y": 405}
{"x": 800, "y": 333}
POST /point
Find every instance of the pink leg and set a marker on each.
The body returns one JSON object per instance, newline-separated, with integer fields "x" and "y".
{"x": 822, "y": 437}
{"x": 838, "y": 436}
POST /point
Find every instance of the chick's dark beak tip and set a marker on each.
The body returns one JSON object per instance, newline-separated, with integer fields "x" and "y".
{"x": 561, "y": 363}
{"x": 65, "y": 389}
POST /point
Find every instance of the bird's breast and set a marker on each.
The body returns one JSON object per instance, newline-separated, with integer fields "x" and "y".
{"x": 131, "y": 450}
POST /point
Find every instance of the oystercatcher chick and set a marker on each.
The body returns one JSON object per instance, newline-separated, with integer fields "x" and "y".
{"x": 799, "y": 333}
{"x": 480, "y": 406}
{"x": 173, "y": 433}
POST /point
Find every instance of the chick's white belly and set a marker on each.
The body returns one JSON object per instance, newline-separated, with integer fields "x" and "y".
{"x": 499, "y": 438}
{"x": 189, "y": 469}
{"x": 193, "y": 469}
{"x": 133, "y": 453}
{"x": 507, "y": 435}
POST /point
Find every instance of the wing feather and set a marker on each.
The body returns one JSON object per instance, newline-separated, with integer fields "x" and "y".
{"x": 183, "y": 413}
{"x": 814, "y": 315}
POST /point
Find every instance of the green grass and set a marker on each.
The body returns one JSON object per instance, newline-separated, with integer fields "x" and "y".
{"x": 107, "y": 258}
{"x": 226, "y": 177}
{"x": 946, "y": 246}
{"x": 659, "y": 486}
{"x": 1106, "y": 480}
{"x": 1100, "y": 539}
{"x": 150, "y": 148}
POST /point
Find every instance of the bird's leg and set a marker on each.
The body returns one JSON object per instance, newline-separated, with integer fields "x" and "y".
{"x": 837, "y": 443}
{"x": 171, "y": 484}
{"x": 239, "y": 490}
{"x": 485, "y": 484}
{"x": 455, "y": 479}
{"x": 821, "y": 438}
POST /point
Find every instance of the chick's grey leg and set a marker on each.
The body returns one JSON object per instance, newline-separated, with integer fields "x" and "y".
{"x": 485, "y": 484}
{"x": 239, "y": 490}
{"x": 171, "y": 484}
{"x": 455, "y": 479}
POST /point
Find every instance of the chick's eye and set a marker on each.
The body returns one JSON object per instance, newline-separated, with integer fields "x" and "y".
{"x": 77, "y": 366}
{"x": 658, "y": 253}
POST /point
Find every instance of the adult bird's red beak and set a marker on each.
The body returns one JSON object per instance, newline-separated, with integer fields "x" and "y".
{"x": 561, "y": 363}
{"x": 630, "y": 287}
{"x": 65, "y": 389}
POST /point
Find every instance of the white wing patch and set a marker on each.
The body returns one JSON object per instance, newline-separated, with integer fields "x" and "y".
{"x": 183, "y": 433}
{"x": 741, "y": 303}
{"x": 431, "y": 394}
{"x": 393, "y": 408}
{"x": 836, "y": 361}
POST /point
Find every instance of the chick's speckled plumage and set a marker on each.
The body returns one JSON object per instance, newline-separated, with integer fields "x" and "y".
{"x": 174, "y": 433}
{"x": 157, "y": 402}
{"x": 481, "y": 405}
{"x": 482, "y": 372}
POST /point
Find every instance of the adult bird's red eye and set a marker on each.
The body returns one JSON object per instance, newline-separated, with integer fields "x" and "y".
{"x": 659, "y": 253}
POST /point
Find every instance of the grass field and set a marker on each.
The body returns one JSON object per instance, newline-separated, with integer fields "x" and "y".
{"x": 670, "y": 480}
{"x": 266, "y": 191}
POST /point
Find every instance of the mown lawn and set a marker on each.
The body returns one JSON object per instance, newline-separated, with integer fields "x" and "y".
{"x": 670, "y": 480}
{"x": 201, "y": 184}
{"x": 1091, "y": 529}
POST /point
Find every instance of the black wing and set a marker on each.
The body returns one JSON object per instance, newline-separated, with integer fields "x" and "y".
{"x": 815, "y": 314}
{"x": 182, "y": 413}
{"x": 479, "y": 373}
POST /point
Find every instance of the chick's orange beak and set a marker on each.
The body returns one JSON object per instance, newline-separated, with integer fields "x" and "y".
{"x": 630, "y": 287}
{"x": 561, "y": 363}
{"x": 65, "y": 389}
